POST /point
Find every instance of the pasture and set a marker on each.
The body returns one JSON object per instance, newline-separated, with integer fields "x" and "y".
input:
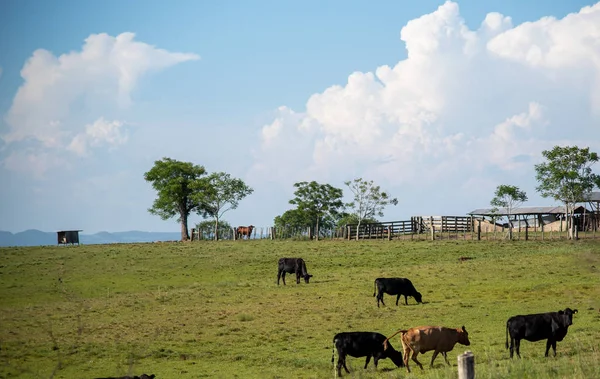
{"x": 213, "y": 309}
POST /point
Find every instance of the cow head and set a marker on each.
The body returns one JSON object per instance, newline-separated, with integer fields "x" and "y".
{"x": 418, "y": 297}
{"x": 463, "y": 336}
{"x": 567, "y": 316}
{"x": 307, "y": 277}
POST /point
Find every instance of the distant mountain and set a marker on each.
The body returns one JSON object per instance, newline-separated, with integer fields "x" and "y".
{"x": 35, "y": 237}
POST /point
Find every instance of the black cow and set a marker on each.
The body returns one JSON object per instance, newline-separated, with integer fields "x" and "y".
{"x": 396, "y": 286}
{"x": 292, "y": 266}
{"x": 552, "y": 326}
{"x": 360, "y": 344}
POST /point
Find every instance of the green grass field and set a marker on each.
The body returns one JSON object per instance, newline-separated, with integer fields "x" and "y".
{"x": 213, "y": 309}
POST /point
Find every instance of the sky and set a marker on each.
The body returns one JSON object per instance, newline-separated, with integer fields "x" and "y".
{"x": 436, "y": 102}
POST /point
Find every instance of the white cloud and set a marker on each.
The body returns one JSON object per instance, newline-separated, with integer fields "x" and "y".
{"x": 61, "y": 94}
{"x": 101, "y": 132}
{"x": 463, "y": 105}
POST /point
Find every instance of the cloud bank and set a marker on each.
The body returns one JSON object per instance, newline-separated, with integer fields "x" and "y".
{"x": 465, "y": 108}
{"x": 65, "y": 104}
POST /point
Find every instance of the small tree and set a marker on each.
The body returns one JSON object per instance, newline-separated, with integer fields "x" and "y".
{"x": 508, "y": 197}
{"x": 317, "y": 201}
{"x": 369, "y": 200}
{"x": 175, "y": 182}
{"x": 567, "y": 176}
{"x": 219, "y": 193}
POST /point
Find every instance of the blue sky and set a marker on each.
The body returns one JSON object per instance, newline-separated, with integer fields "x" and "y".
{"x": 437, "y": 102}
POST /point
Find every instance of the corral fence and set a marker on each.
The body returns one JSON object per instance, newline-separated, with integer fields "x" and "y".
{"x": 418, "y": 227}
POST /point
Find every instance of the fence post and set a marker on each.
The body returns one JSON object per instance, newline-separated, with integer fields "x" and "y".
{"x": 526, "y": 232}
{"x": 466, "y": 365}
{"x": 478, "y": 230}
{"x": 389, "y": 232}
{"x": 348, "y": 232}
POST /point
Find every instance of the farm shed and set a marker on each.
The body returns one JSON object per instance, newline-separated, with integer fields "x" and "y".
{"x": 552, "y": 218}
{"x": 66, "y": 237}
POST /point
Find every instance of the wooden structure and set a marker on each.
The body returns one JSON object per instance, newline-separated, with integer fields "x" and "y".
{"x": 66, "y": 237}
{"x": 534, "y": 216}
{"x": 416, "y": 225}
{"x": 592, "y": 221}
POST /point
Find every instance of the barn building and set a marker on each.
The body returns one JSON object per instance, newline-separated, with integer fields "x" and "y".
{"x": 66, "y": 237}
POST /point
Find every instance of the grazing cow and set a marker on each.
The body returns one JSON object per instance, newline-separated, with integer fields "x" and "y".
{"x": 396, "y": 286}
{"x": 292, "y": 266}
{"x": 360, "y": 344}
{"x": 426, "y": 338}
{"x": 552, "y": 326}
{"x": 244, "y": 231}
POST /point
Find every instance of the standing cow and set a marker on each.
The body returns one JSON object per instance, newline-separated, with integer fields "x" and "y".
{"x": 396, "y": 286}
{"x": 552, "y": 326}
{"x": 426, "y": 338}
{"x": 292, "y": 266}
{"x": 360, "y": 344}
{"x": 242, "y": 231}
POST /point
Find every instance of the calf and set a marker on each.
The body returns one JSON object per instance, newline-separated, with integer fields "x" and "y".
{"x": 425, "y": 338}
{"x": 550, "y": 326}
{"x": 360, "y": 344}
{"x": 395, "y": 286}
{"x": 292, "y": 266}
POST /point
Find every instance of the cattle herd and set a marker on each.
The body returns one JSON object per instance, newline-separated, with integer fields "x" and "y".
{"x": 550, "y": 326}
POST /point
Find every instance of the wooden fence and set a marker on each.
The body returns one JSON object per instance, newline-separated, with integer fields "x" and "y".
{"x": 418, "y": 227}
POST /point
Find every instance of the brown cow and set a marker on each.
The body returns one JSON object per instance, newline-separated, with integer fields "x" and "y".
{"x": 244, "y": 231}
{"x": 426, "y": 338}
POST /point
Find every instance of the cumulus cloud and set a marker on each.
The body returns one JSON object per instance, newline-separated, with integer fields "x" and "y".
{"x": 464, "y": 104}
{"x": 61, "y": 95}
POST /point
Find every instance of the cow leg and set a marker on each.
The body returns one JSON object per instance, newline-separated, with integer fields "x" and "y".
{"x": 512, "y": 347}
{"x": 554, "y": 347}
{"x": 414, "y": 358}
{"x": 397, "y": 298}
{"x": 375, "y": 361}
{"x": 283, "y": 277}
{"x": 549, "y": 343}
{"x": 407, "y": 353}
{"x": 518, "y": 347}
{"x": 367, "y": 361}
{"x": 297, "y": 277}
{"x": 405, "y": 300}
{"x": 345, "y": 368}
{"x": 435, "y": 354}
{"x": 380, "y": 298}
{"x": 278, "y": 276}
{"x": 446, "y": 358}
{"x": 340, "y": 363}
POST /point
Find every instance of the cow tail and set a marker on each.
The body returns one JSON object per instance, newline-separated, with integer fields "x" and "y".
{"x": 385, "y": 343}
{"x": 506, "y": 343}
{"x": 375, "y": 290}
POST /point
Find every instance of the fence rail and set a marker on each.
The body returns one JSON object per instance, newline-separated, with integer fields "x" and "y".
{"x": 418, "y": 227}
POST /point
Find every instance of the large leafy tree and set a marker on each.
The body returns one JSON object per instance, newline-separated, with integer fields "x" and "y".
{"x": 292, "y": 220}
{"x": 320, "y": 202}
{"x": 567, "y": 176}
{"x": 219, "y": 193}
{"x": 510, "y": 198}
{"x": 369, "y": 200}
{"x": 175, "y": 183}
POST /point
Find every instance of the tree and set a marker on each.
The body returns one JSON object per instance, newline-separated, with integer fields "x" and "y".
{"x": 318, "y": 201}
{"x": 369, "y": 200}
{"x": 175, "y": 183}
{"x": 567, "y": 176}
{"x": 219, "y": 193}
{"x": 509, "y": 197}
{"x": 290, "y": 221}
{"x": 206, "y": 228}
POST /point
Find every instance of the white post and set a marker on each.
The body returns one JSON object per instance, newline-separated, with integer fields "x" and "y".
{"x": 466, "y": 365}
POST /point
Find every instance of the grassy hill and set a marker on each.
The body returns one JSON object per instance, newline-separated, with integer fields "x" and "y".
{"x": 213, "y": 309}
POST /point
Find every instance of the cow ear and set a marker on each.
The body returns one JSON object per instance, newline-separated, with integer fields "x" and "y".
{"x": 464, "y": 330}
{"x": 574, "y": 310}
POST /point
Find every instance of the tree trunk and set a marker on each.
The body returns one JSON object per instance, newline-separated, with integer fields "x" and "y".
{"x": 184, "y": 227}
{"x": 357, "y": 228}
{"x": 317, "y": 230}
{"x": 216, "y": 228}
